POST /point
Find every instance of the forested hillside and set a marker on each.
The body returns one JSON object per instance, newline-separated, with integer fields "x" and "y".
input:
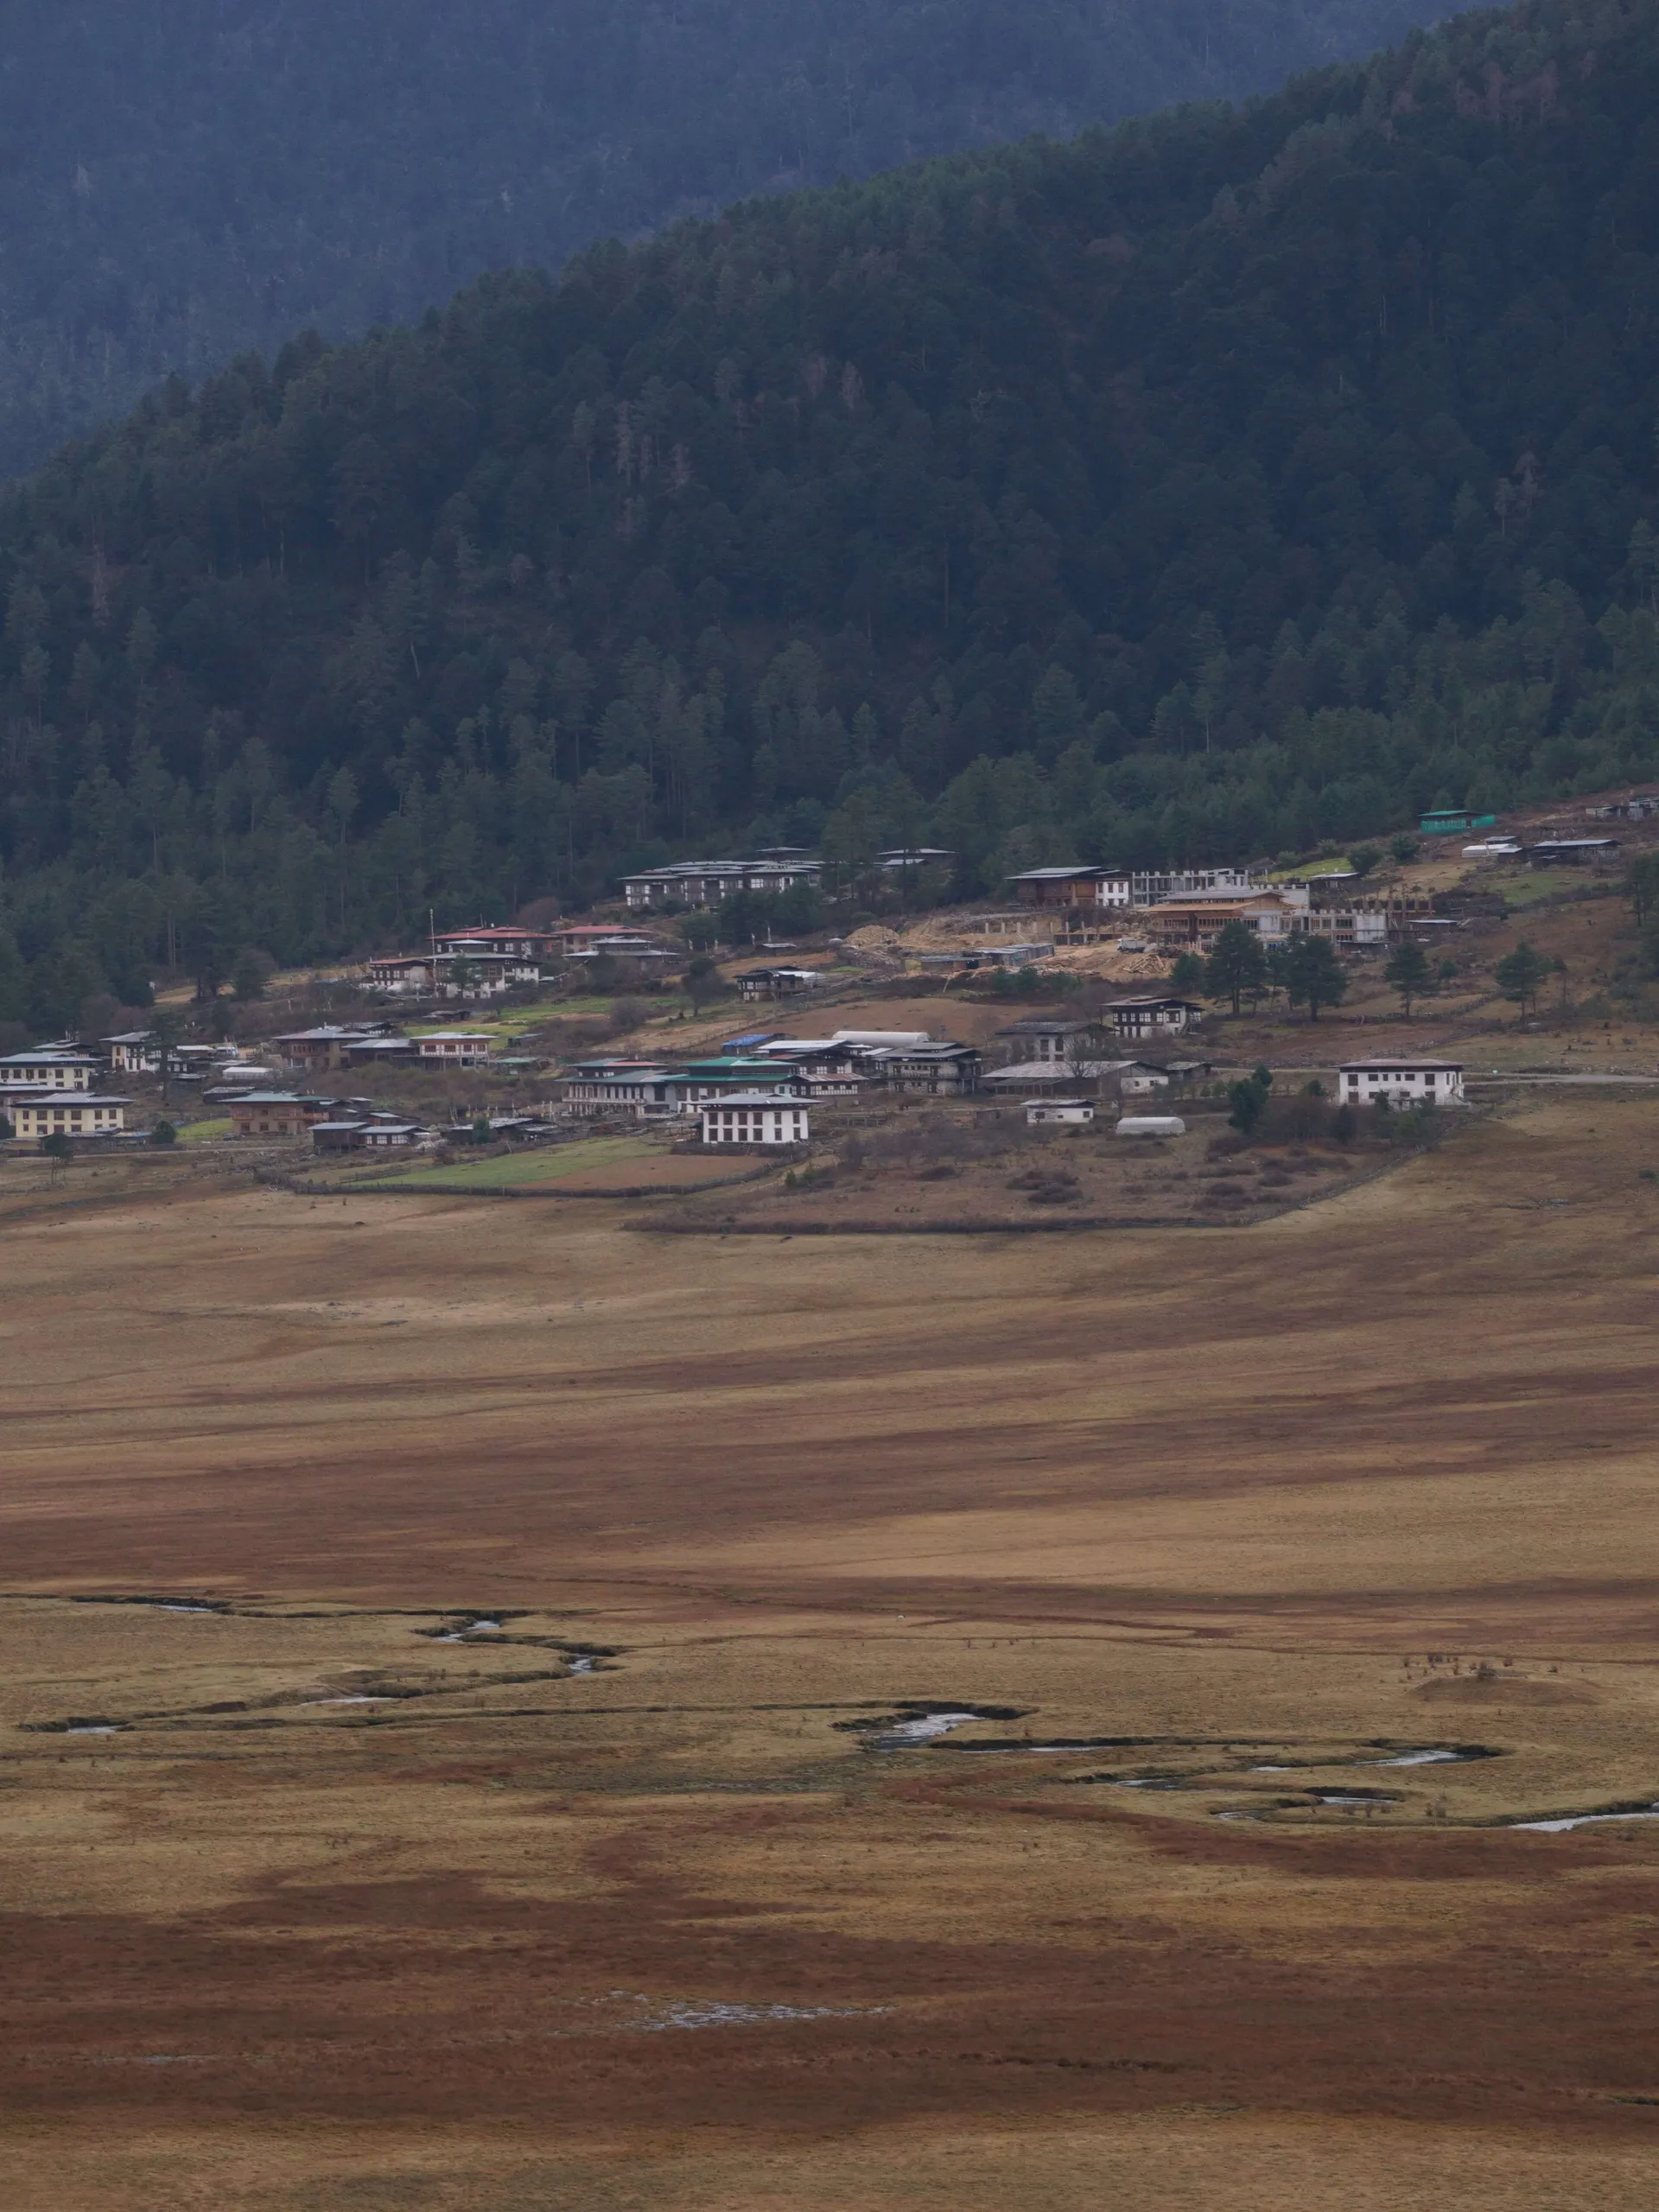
{"x": 1206, "y": 487}
{"x": 187, "y": 179}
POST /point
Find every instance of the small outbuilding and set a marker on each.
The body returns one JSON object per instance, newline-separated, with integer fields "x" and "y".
{"x": 1042, "y": 1112}
{"x": 1151, "y": 1125}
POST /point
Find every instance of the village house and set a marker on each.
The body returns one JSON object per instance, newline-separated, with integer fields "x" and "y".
{"x": 636, "y": 1087}
{"x": 941, "y": 1071}
{"x": 59, "y": 1113}
{"x": 776, "y": 982}
{"x": 454, "y": 1048}
{"x": 705, "y": 883}
{"x": 288, "y": 1113}
{"x": 1106, "y": 1078}
{"x": 1400, "y": 1082}
{"x": 331, "y": 1046}
{"x": 820, "y": 1067}
{"x": 1059, "y": 1037}
{"x": 628, "y": 954}
{"x": 406, "y": 974}
{"x": 497, "y": 940}
{"x": 429, "y": 975}
{"x": 605, "y": 937}
{"x": 49, "y": 1068}
{"x": 700, "y": 1081}
{"x": 1157, "y": 1014}
{"x": 375, "y": 1133}
{"x": 756, "y": 1117}
{"x": 134, "y": 1051}
{"x": 807, "y": 1056}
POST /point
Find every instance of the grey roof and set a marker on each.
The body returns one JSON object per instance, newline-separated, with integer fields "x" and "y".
{"x": 754, "y": 1098}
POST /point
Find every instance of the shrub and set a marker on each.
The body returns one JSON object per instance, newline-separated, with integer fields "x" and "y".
{"x": 164, "y": 1132}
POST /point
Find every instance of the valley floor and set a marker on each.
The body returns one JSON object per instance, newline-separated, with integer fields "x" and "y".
{"x": 565, "y": 1793}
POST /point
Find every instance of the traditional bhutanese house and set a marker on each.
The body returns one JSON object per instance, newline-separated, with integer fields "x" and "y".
{"x": 1053, "y": 1037}
{"x": 623, "y": 950}
{"x": 776, "y": 982}
{"x": 285, "y": 1113}
{"x": 941, "y": 1071}
{"x": 135, "y": 1051}
{"x": 756, "y": 1117}
{"x": 380, "y": 1134}
{"x": 59, "y": 1113}
{"x": 822, "y": 1067}
{"x": 407, "y": 974}
{"x": 1157, "y": 1015}
{"x": 508, "y": 938}
{"x": 454, "y": 1048}
{"x": 700, "y": 1081}
{"x": 705, "y": 883}
{"x": 1401, "y": 1082}
{"x": 1106, "y": 1078}
{"x": 420, "y": 973}
{"x": 636, "y": 1087}
{"x": 49, "y": 1070}
{"x": 333, "y": 1045}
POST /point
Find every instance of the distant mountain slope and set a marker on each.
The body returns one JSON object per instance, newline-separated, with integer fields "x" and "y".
{"x": 1206, "y": 487}
{"x": 184, "y": 180}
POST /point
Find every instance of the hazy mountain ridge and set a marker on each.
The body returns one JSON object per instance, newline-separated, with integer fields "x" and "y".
{"x": 1213, "y": 484}
{"x": 184, "y": 181}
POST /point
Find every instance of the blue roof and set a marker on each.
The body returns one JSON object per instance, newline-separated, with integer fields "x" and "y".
{"x": 750, "y": 1038}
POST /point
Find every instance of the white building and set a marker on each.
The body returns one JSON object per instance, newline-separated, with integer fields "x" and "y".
{"x": 1154, "y": 1015}
{"x": 49, "y": 1070}
{"x": 454, "y": 1048}
{"x": 135, "y": 1051}
{"x": 1401, "y": 1082}
{"x": 70, "y": 1114}
{"x": 1039, "y": 1111}
{"x": 764, "y": 1117}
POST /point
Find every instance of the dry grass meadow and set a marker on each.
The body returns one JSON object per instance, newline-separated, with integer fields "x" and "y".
{"x": 446, "y": 1647}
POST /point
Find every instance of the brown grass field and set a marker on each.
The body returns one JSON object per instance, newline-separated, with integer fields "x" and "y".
{"x": 330, "y": 1901}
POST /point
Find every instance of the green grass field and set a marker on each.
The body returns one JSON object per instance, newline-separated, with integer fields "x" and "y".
{"x": 510, "y": 1171}
{"x": 203, "y": 1132}
{"x": 1525, "y": 886}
